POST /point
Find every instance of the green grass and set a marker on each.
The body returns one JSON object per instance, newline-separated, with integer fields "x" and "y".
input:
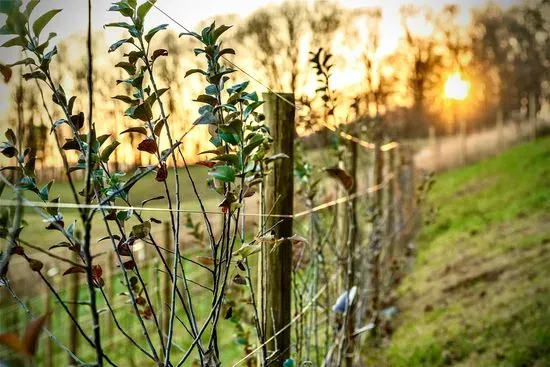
{"x": 478, "y": 293}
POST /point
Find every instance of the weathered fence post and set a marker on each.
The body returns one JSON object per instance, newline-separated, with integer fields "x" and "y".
{"x": 48, "y": 348}
{"x": 500, "y": 129}
{"x": 463, "y": 142}
{"x": 390, "y": 212}
{"x": 111, "y": 293}
{"x": 533, "y": 115}
{"x": 276, "y": 261}
{"x": 375, "y": 242}
{"x": 435, "y": 148}
{"x": 166, "y": 282}
{"x": 73, "y": 286}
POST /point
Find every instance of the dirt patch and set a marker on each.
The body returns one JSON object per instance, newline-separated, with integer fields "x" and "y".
{"x": 491, "y": 275}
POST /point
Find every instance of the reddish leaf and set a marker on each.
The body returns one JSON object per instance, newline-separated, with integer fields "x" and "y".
{"x": 99, "y": 282}
{"x": 158, "y": 53}
{"x": 18, "y": 250}
{"x": 32, "y": 333}
{"x": 148, "y": 145}
{"x": 130, "y": 265}
{"x": 97, "y": 271}
{"x": 208, "y": 164}
{"x": 123, "y": 249}
{"x": 147, "y": 313}
{"x": 78, "y": 120}
{"x": 74, "y": 270}
{"x": 238, "y": 279}
{"x": 162, "y": 173}
{"x": 241, "y": 265}
{"x": 158, "y": 127}
{"x": 204, "y": 260}
{"x": 36, "y": 265}
{"x": 228, "y": 313}
{"x": 12, "y": 341}
{"x": 345, "y": 179}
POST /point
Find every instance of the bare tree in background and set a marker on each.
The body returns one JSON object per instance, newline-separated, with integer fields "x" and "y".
{"x": 424, "y": 60}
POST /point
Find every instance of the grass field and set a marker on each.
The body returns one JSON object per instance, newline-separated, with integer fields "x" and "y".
{"x": 479, "y": 291}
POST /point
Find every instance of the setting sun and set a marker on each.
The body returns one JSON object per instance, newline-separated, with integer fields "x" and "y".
{"x": 456, "y": 88}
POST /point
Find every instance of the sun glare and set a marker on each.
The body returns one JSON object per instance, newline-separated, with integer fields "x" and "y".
{"x": 456, "y": 88}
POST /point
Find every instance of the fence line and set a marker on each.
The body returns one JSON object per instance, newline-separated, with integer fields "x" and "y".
{"x": 340, "y": 200}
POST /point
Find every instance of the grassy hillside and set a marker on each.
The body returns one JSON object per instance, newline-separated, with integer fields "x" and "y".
{"x": 479, "y": 292}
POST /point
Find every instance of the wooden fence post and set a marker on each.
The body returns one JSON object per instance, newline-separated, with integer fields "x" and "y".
{"x": 435, "y": 146}
{"x": 391, "y": 210}
{"x": 166, "y": 282}
{"x": 500, "y": 129}
{"x": 111, "y": 293}
{"x": 276, "y": 261}
{"x": 376, "y": 240}
{"x": 48, "y": 347}
{"x": 533, "y": 115}
{"x": 73, "y": 285}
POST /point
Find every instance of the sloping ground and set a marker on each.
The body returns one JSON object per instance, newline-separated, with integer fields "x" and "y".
{"x": 479, "y": 292}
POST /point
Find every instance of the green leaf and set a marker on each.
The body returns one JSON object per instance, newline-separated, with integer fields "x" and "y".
{"x": 144, "y": 8}
{"x": 219, "y": 31}
{"x": 230, "y": 138}
{"x": 43, "y": 20}
{"x": 119, "y": 25}
{"x": 153, "y": 97}
{"x": 109, "y": 149}
{"x": 17, "y": 41}
{"x": 8, "y": 7}
{"x": 211, "y": 89}
{"x": 119, "y": 43}
{"x": 226, "y": 51}
{"x": 206, "y": 119}
{"x": 232, "y": 159}
{"x": 248, "y": 249}
{"x": 128, "y": 66}
{"x": 127, "y": 99}
{"x": 205, "y": 98}
{"x": 6, "y": 30}
{"x": 143, "y": 112}
{"x": 26, "y": 61}
{"x": 137, "y": 129}
{"x": 45, "y": 191}
{"x": 250, "y": 108}
{"x": 30, "y": 7}
{"x": 255, "y": 142}
{"x": 193, "y": 71}
{"x": 35, "y": 75}
{"x": 238, "y": 87}
{"x": 27, "y": 183}
{"x": 154, "y": 31}
{"x": 10, "y": 135}
{"x": 123, "y": 8}
{"x": 223, "y": 173}
{"x": 57, "y": 123}
{"x": 141, "y": 230}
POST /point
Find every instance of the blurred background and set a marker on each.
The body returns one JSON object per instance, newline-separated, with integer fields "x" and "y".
{"x": 418, "y": 65}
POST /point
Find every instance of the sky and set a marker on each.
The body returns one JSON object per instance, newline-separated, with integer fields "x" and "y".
{"x": 73, "y": 19}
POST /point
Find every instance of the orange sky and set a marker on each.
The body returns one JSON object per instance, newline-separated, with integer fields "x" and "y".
{"x": 73, "y": 19}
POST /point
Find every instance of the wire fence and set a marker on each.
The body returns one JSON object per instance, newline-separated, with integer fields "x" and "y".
{"x": 40, "y": 301}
